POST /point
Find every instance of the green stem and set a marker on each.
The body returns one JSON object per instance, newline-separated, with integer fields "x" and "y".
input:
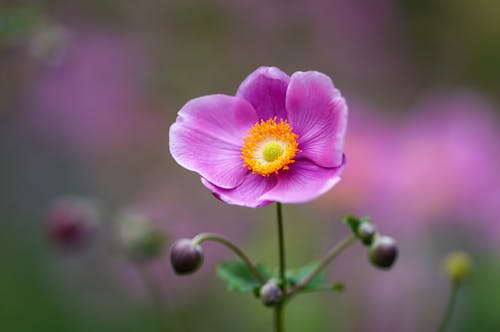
{"x": 455, "y": 285}
{"x": 278, "y": 317}
{"x": 327, "y": 259}
{"x": 198, "y": 239}
{"x": 278, "y": 311}
{"x": 158, "y": 301}
{"x": 281, "y": 241}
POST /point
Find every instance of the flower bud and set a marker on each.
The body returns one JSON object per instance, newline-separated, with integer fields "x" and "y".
{"x": 49, "y": 43}
{"x": 185, "y": 256}
{"x": 270, "y": 293}
{"x": 138, "y": 236}
{"x": 458, "y": 265}
{"x": 383, "y": 252}
{"x": 366, "y": 233}
{"x": 71, "y": 222}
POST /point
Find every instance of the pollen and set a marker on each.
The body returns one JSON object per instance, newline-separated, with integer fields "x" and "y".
{"x": 269, "y": 147}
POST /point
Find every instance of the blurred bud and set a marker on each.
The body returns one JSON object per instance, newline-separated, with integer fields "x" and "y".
{"x": 458, "y": 265}
{"x": 271, "y": 293}
{"x": 383, "y": 252}
{"x": 185, "y": 256}
{"x": 48, "y": 43}
{"x": 366, "y": 233}
{"x": 71, "y": 222}
{"x": 139, "y": 237}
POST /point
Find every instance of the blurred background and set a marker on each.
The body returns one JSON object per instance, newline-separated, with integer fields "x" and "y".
{"x": 88, "y": 90}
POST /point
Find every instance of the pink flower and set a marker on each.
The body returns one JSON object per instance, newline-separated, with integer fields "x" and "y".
{"x": 279, "y": 139}
{"x": 93, "y": 102}
{"x": 439, "y": 167}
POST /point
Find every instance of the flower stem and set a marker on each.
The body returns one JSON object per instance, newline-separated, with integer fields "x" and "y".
{"x": 278, "y": 317}
{"x": 157, "y": 298}
{"x": 281, "y": 241}
{"x": 198, "y": 239}
{"x": 278, "y": 310}
{"x": 455, "y": 285}
{"x": 327, "y": 259}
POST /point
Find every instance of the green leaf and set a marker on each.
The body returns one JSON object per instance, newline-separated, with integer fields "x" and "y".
{"x": 238, "y": 276}
{"x": 354, "y": 222}
{"x": 334, "y": 287}
{"x": 295, "y": 276}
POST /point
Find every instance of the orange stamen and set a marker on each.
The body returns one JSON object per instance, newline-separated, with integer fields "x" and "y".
{"x": 260, "y": 151}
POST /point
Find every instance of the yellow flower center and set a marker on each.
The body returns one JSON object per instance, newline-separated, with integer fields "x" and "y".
{"x": 269, "y": 147}
{"x": 272, "y": 150}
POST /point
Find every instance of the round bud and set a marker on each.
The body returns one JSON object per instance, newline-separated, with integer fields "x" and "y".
{"x": 366, "y": 233}
{"x": 458, "y": 265}
{"x": 49, "y": 44}
{"x": 186, "y": 257}
{"x": 271, "y": 294}
{"x": 71, "y": 222}
{"x": 139, "y": 236}
{"x": 383, "y": 252}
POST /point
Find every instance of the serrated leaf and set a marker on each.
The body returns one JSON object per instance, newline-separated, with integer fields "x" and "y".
{"x": 295, "y": 276}
{"x": 238, "y": 276}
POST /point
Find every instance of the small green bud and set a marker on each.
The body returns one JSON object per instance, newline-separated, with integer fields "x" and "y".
{"x": 383, "y": 252}
{"x": 185, "y": 256}
{"x": 138, "y": 236}
{"x": 458, "y": 265}
{"x": 271, "y": 293}
{"x": 338, "y": 286}
{"x": 366, "y": 233}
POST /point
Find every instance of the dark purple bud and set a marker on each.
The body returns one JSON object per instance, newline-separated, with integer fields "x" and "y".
{"x": 271, "y": 294}
{"x": 383, "y": 252}
{"x": 71, "y": 222}
{"x": 366, "y": 233}
{"x": 185, "y": 256}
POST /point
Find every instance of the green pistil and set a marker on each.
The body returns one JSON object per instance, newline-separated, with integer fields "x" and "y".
{"x": 272, "y": 151}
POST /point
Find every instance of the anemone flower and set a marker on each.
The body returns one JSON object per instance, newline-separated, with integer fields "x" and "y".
{"x": 279, "y": 139}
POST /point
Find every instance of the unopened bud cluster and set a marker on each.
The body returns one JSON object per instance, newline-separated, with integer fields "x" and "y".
{"x": 382, "y": 249}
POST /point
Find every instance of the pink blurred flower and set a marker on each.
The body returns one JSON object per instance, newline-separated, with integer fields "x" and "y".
{"x": 447, "y": 164}
{"x": 93, "y": 101}
{"x": 435, "y": 167}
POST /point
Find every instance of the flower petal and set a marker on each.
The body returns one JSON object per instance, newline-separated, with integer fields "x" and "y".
{"x": 207, "y": 137}
{"x": 265, "y": 89}
{"x": 304, "y": 181}
{"x": 248, "y": 193}
{"x": 318, "y": 114}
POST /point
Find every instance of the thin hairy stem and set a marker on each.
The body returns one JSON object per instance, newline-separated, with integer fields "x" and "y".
{"x": 327, "y": 259}
{"x": 278, "y": 317}
{"x": 157, "y": 298}
{"x": 198, "y": 239}
{"x": 455, "y": 285}
{"x": 278, "y": 310}
{"x": 281, "y": 245}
